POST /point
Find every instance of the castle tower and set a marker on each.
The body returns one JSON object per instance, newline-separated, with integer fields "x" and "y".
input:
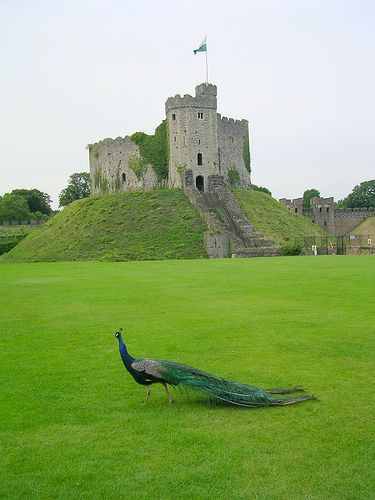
{"x": 193, "y": 151}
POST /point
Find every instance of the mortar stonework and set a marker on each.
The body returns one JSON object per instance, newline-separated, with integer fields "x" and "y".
{"x": 231, "y": 137}
{"x": 202, "y": 146}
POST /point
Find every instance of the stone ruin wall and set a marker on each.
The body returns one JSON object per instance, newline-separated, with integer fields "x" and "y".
{"x": 110, "y": 167}
{"x": 231, "y": 137}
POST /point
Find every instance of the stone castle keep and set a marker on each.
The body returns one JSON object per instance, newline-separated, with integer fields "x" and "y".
{"x": 194, "y": 147}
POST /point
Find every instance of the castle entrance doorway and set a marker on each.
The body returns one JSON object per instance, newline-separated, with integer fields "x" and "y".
{"x": 199, "y": 182}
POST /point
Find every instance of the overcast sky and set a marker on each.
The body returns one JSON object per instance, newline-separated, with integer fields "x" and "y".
{"x": 301, "y": 71}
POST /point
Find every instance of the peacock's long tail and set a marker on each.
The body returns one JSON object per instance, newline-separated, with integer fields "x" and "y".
{"x": 224, "y": 391}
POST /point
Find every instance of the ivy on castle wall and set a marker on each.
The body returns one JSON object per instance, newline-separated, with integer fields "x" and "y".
{"x": 100, "y": 181}
{"x": 94, "y": 151}
{"x": 137, "y": 164}
{"x": 154, "y": 149}
{"x": 246, "y": 152}
{"x": 181, "y": 169}
{"x": 117, "y": 183}
{"x": 102, "y": 184}
{"x": 233, "y": 176}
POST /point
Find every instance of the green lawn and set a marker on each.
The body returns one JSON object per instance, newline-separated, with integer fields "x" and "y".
{"x": 71, "y": 420}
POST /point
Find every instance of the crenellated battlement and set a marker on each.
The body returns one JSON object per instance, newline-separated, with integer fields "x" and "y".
{"x": 205, "y": 98}
{"x": 188, "y": 101}
{"x": 370, "y": 211}
{"x": 232, "y": 121}
{"x": 108, "y": 141}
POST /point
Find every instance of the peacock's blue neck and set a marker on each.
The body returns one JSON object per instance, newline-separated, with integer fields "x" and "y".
{"x": 125, "y": 356}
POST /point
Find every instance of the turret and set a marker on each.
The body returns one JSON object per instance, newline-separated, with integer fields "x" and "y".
{"x": 193, "y": 137}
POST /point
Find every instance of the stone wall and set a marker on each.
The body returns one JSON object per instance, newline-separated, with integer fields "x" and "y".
{"x": 360, "y": 250}
{"x": 217, "y": 244}
{"x": 322, "y": 211}
{"x": 116, "y": 165}
{"x": 232, "y": 135}
{"x": 347, "y": 219}
{"x": 12, "y": 223}
{"x": 293, "y": 205}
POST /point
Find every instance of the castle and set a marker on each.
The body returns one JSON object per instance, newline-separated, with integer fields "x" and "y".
{"x": 322, "y": 211}
{"x": 194, "y": 147}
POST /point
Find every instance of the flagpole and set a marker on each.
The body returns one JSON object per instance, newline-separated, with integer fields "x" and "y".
{"x": 206, "y": 62}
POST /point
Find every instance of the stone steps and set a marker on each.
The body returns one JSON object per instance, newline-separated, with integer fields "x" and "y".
{"x": 229, "y": 229}
{"x": 239, "y": 224}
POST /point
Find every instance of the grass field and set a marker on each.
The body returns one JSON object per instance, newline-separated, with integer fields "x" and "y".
{"x": 71, "y": 420}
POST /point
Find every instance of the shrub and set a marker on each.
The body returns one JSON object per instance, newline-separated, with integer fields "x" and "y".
{"x": 6, "y": 246}
{"x": 261, "y": 189}
{"x": 291, "y": 249}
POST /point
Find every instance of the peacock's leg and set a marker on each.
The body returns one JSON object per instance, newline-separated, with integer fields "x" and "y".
{"x": 148, "y": 392}
{"x": 170, "y": 397}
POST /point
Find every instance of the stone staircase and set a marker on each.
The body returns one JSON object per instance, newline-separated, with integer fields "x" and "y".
{"x": 230, "y": 232}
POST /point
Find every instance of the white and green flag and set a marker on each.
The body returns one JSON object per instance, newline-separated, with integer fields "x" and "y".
{"x": 202, "y": 47}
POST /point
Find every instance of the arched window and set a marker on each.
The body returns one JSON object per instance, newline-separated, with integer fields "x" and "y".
{"x": 199, "y": 159}
{"x": 123, "y": 178}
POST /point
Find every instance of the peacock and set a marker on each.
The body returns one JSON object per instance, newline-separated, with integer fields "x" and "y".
{"x": 147, "y": 371}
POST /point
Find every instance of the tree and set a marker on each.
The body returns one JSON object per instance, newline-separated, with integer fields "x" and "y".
{"x": 307, "y": 195}
{"x": 36, "y": 200}
{"x": 79, "y": 187}
{"x": 361, "y": 196}
{"x": 13, "y": 207}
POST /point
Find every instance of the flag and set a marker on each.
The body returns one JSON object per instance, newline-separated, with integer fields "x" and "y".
{"x": 202, "y": 47}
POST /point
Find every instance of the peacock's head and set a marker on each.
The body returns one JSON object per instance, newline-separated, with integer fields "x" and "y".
{"x": 118, "y": 334}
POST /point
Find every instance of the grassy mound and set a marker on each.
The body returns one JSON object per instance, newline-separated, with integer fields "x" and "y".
{"x": 72, "y": 422}
{"x": 275, "y": 221}
{"x": 367, "y": 227}
{"x": 143, "y": 225}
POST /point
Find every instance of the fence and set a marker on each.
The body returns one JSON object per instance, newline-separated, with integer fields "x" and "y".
{"x": 12, "y": 223}
{"x": 355, "y": 241}
{"x": 321, "y": 245}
